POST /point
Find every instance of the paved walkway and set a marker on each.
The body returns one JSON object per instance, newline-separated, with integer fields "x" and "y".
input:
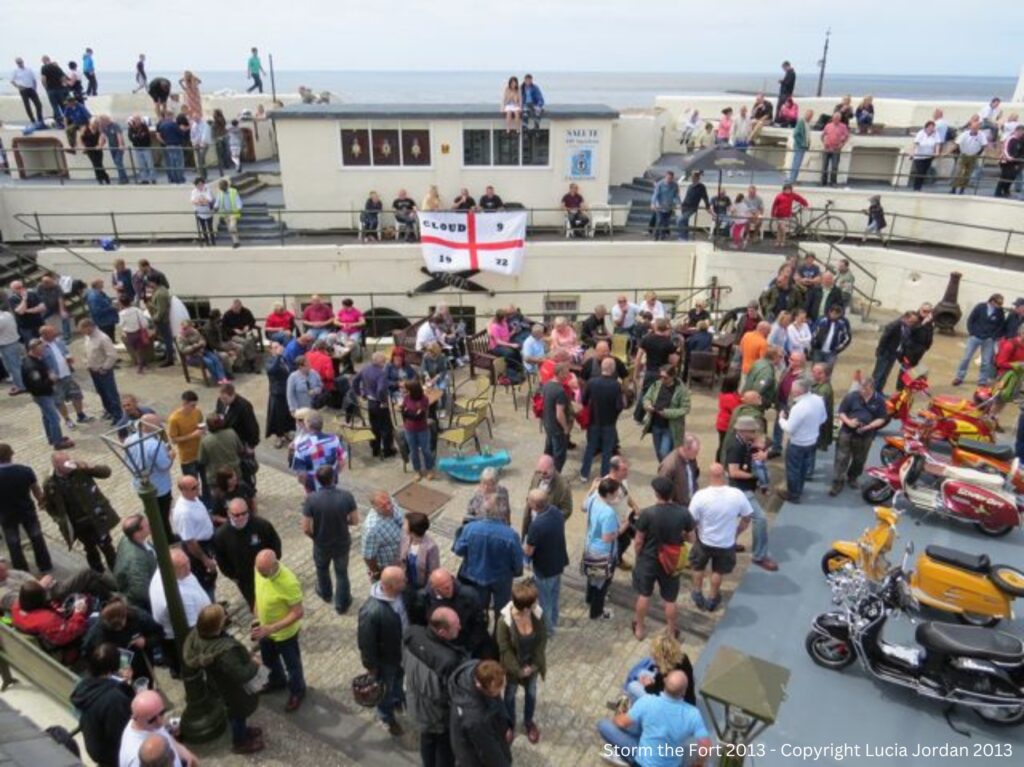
{"x": 587, "y": 661}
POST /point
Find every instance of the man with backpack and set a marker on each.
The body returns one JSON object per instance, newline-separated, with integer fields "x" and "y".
{"x": 429, "y": 656}
{"x": 662, "y": 532}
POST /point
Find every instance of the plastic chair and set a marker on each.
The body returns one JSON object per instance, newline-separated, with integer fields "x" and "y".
{"x": 463, "y": 429}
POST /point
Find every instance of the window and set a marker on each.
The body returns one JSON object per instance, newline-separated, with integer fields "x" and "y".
{"x": 476, "y": 147}
{"x": 385, "y": 147}
{"x": 493, "y": 146}
{"x": 535, "y": 147}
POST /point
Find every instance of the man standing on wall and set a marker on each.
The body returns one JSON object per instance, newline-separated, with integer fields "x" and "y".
{"x": 256, "y": 71}
{"x": 89, "y": 70}
{"x": 787, "y": 85}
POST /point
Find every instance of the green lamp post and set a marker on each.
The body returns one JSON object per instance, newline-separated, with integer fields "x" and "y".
{"x": 204, "y": 717}
{"x": 747, "y": 693}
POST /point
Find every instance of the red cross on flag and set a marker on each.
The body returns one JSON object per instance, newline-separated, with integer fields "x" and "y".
{"x": 461, "y": 241}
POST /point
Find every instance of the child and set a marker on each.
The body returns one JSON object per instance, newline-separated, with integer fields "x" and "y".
{"x": 739, "y": 216}
{"x": 720, "y": 205}
{"x": 876, "y": 217}
{"x": 235, "y": 144}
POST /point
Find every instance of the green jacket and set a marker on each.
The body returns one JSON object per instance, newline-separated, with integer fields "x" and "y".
{"x": 508, "y": 644}
{"x": 824, "y": 390}
{"x": 78, "y": 506}
{"x": 751, "y": 410}
{"x": 134, "y": 571}
{"x": 228, "y": 667}
{"x": 762, "y": 378}
{"x": 221, "y": 448}
{"x": 769, "y": 298}
{"x": 160, "y": 305}
{"x": 675, "y": 413}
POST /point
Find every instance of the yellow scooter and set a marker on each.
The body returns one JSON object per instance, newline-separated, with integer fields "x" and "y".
{"x": 967, "y": 585}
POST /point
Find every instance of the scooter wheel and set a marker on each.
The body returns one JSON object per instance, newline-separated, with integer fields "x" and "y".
{"x": 1003, "y": 717}
{"x": 994, "y": 532}
{"x": 877, "y": 492}
{"x": 1008, "y": 579}
{"x": 833, "y": 561}
{"x": 829, "y": 652}
{"x": 890, "y": 454}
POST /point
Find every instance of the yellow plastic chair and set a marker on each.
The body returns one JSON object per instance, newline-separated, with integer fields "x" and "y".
{"x": 352, "y": 435}
{"x": 463, "y": 429}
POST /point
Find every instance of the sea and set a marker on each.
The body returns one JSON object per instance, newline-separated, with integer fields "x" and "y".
{"x": 620, "y": 90}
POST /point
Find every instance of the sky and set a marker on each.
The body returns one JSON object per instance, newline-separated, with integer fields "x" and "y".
{"x": 868, "y": 37}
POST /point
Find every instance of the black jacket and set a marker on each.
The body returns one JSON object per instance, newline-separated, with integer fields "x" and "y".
{"x": 106, "y": 707}
{"x": 240, "y": 416}
{"x": 834, "y": 297}
{"x": 379, "y": 633}
{"x": 891, "y": 343}
{"x": 428, "y": 661}
{"x": 36, "y": 376}
{"x": 919, "y": 342}
{"x": 236, "y": 550}
{"x": 139, "y": 622}
{"x": 466, "y": 603}
{"x": 478, "y": 723}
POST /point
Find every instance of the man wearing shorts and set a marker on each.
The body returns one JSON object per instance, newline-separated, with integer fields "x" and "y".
{"x": 65, "y": 388}
{"x": 660, "y": 532}
{"x": 720, "y": 513}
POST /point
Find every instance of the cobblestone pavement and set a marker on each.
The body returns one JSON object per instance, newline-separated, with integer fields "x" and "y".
{"x": 587, "y": 661}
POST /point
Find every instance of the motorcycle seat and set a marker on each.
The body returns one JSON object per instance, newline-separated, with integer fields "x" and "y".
{"x": 987, "y": 449}
{"x": 971, "y": 642}
{"x": 975, "y": 563}
{"x": 973, "y": 476}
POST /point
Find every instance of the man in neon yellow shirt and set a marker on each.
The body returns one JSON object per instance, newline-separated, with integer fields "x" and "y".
{"x": 279, "y": 614}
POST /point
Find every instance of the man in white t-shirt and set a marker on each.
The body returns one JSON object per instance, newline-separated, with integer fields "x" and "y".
{"x": 191, "y": 522}
{"x": 972, "y": 143}
{"x": 926, "y": 147}
{"x": 429, "y": 333}
{"x": 193, "y": 598}
{"x": 721, "y": 513}
{"x": 148, "y": 721}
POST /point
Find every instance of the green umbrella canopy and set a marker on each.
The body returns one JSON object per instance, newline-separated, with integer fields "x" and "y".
{"x": 753, "y": 684}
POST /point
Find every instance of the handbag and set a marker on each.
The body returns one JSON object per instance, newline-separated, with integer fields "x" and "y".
{"x": 249, "y": 465}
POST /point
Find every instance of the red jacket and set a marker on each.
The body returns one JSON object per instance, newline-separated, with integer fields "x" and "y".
{"x": 49, "y": 625}
{"x": 782, "y": 205}
{"x": 321, "y": 363}
{"x": 1011, "y": 350}
{"x": 726, "y": 404}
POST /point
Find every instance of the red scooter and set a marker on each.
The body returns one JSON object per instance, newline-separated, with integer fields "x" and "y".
{"x": 918, "y": 481}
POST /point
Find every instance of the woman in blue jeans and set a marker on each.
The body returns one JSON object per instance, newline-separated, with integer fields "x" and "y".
{"x": 416, "y": 425}
{"x": 522, "y": 640}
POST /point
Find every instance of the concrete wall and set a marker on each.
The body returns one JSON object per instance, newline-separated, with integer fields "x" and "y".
{"x": 315, "y": 180}
{"x": 85, "y": 211}
{"x": 639, "y": 139}
{"x": 264, "y": 274}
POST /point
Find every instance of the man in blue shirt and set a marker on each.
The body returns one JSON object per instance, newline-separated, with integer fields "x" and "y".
{"x": 985, "y": 325}
{"x": 89, "y": 70}
{"x": 146, "y": 448}
{"x": 534, "y": 349}
{"x": 657, "y": 730}
{"x": 170, "y": 134}
{"x": 492, "y": 556}
{"x": 663, "y": 202}
{"x": 533, "y": 103}
{"x": 862, "y": 413}
{"x": 545, "y": 545}
{"x": 372, "y": 383}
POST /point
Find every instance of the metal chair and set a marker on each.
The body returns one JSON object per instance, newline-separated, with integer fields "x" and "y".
{"x": 352, "y": 435}
{"x": 478, "y": 402}
{"x": 463, "y": 429}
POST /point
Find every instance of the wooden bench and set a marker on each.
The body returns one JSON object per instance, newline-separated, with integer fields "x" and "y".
{"x": 480, "y": 356}
{"x": 406, "y": 339}
{"x": 25, "y": 655}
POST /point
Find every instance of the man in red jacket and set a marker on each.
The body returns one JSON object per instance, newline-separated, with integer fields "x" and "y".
{"x": 782, "y": 211}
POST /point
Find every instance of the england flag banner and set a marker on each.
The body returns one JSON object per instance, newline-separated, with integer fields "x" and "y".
{"x": 462, "y": 241}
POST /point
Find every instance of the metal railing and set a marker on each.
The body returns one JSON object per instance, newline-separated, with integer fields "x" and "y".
{"x": 870, "y": 301}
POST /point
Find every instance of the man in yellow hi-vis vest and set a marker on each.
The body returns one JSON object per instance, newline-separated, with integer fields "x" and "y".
{"x": 228, "y": 205}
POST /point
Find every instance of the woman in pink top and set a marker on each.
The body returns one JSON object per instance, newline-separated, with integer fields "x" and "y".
{"x": 193, "y": 99}
{"x": 724, "y": 130}
{"x": 351, "y": 321}
{"x": 499, "y": 342}
{"x": 563, "y": 337}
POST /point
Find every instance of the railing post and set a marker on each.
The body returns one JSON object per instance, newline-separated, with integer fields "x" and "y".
{"x": 39, "y": 226}
{"x": 113, "y": 224}
{"x": 889, "y": 234}
{"x": 373, "y": 314}
{"x": 1006, "y": 248}
{"x": 280, "y": 227}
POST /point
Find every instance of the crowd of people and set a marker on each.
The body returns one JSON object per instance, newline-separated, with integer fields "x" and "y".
{"x": 178, "y": 129}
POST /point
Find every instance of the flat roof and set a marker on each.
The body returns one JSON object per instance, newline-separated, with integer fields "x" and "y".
{"x": 432, "y": 112}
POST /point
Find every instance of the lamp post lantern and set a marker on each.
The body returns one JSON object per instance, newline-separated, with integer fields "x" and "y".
{"x": 747, "y": 692}
{"x": 204, "y": 717}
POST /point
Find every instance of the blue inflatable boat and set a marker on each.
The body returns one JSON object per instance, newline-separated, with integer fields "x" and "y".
{"x": 467, "y": 468}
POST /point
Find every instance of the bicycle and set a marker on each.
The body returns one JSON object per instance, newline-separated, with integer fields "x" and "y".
{"x": 823, "y": 227}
